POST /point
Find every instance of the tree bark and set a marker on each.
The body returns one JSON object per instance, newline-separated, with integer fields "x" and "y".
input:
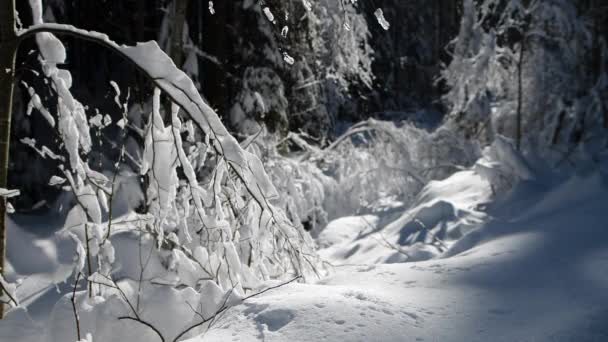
{"x": 8, "y": 48}
{"x": 177, "y": 43}
{"x": 140, "y": 21}
{"x": 214, "y": 38}
{"x": 520, "y": 65}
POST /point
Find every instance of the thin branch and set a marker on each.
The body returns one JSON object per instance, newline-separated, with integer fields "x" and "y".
{"x": 73, "y": 300}
{"x": 163, "y": 84}
{"x": 139, "y": 320}
{"x": 272, "y": 288}
{"x": 435, "y": 237}
{"x": 224, "y": 307}
{"x": 86, "y": 238}
{"x": 3, "y": 290}
{"x": 392, "y": 246}
{"x": 122, "y": 293}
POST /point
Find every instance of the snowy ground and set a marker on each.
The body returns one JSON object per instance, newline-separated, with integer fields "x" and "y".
{"x": 535, "y": 268}
{"x": 460, "y": 264}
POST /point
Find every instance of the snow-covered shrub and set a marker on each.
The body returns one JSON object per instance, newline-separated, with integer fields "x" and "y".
{"x": 306, "y": 190}
{"x": 376, "y": 159}
{"x": 502, "y": 166}
{"x": 260, "y": 100}
{"x": 372, "y": 162}
{"x": 190, "y": 52}
{"x": 209, "y": 214}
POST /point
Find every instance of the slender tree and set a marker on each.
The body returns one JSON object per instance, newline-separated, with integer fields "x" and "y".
{"x": 8, "y": 48}
{"x": 214, "y": 44}
{"x": 140, "y": 21}
{"x": 177, "y": 41}
{"x": 520, "y": 66}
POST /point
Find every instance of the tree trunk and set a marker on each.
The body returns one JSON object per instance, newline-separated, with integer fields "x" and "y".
{"x": 177, "y": 43}
{"x": 8, "y": 47}
{"x": 140, "y": 21}
{"x": 214, "y": 37}
{"x": 520, "y": 64}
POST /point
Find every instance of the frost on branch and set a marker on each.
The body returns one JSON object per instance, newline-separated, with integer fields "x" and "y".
{"x": 245, "y": 237}
{"x": 160, "y": 161}
{"x": 182, "y": 91}
{"x": 210, "y": 220}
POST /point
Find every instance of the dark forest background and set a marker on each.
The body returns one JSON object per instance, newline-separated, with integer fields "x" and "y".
{"x": 346, "y": 66}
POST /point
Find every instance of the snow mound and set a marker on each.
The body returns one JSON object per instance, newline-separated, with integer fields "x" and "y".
{"x": 443, "y": 212}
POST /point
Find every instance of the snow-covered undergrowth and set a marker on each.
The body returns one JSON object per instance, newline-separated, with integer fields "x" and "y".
{"x": 446, "y": 215}
{"x": 372, "y": 164}
{"x": 375, "y": 160}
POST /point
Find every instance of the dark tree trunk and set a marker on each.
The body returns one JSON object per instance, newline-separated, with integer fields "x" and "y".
{"x": 140, "y": 21}
{"x": 214, "y": 43}
{"x": 520, "y": 64}
{"x": 8, "y": 47}
{"x": 177, "y": 43}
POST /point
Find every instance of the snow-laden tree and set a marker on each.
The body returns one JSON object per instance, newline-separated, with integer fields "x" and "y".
{"x": 8, "y": 47}
{"x": 408, "y": 57}
{"x": 208, "y": 214}
{"x": 520, "y": 69}
{"x": 312, "y": 56}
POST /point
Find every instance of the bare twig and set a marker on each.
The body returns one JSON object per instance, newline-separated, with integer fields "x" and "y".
{"x": 272, "y": 288}
{"x": 392, "y": 246}
{"x": 5, "y": 291}
{"x": 73, "y": 300}
{"x": 86, "y": 237}
{"x": 443, "y": 244}
{"x": 139, "y": 320}
{"x": 224, "y": 307}
{"x": 122, "y": 293}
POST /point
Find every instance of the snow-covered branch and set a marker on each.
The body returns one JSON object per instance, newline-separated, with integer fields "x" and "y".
{"x": 160, "y": 69}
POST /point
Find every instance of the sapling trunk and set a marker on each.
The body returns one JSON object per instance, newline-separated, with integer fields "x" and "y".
{"x": 177, "y": 43}
{"x": 520, "y": 63}
{"x": 520, "y": 69}
{"x": 8, "y": 48}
